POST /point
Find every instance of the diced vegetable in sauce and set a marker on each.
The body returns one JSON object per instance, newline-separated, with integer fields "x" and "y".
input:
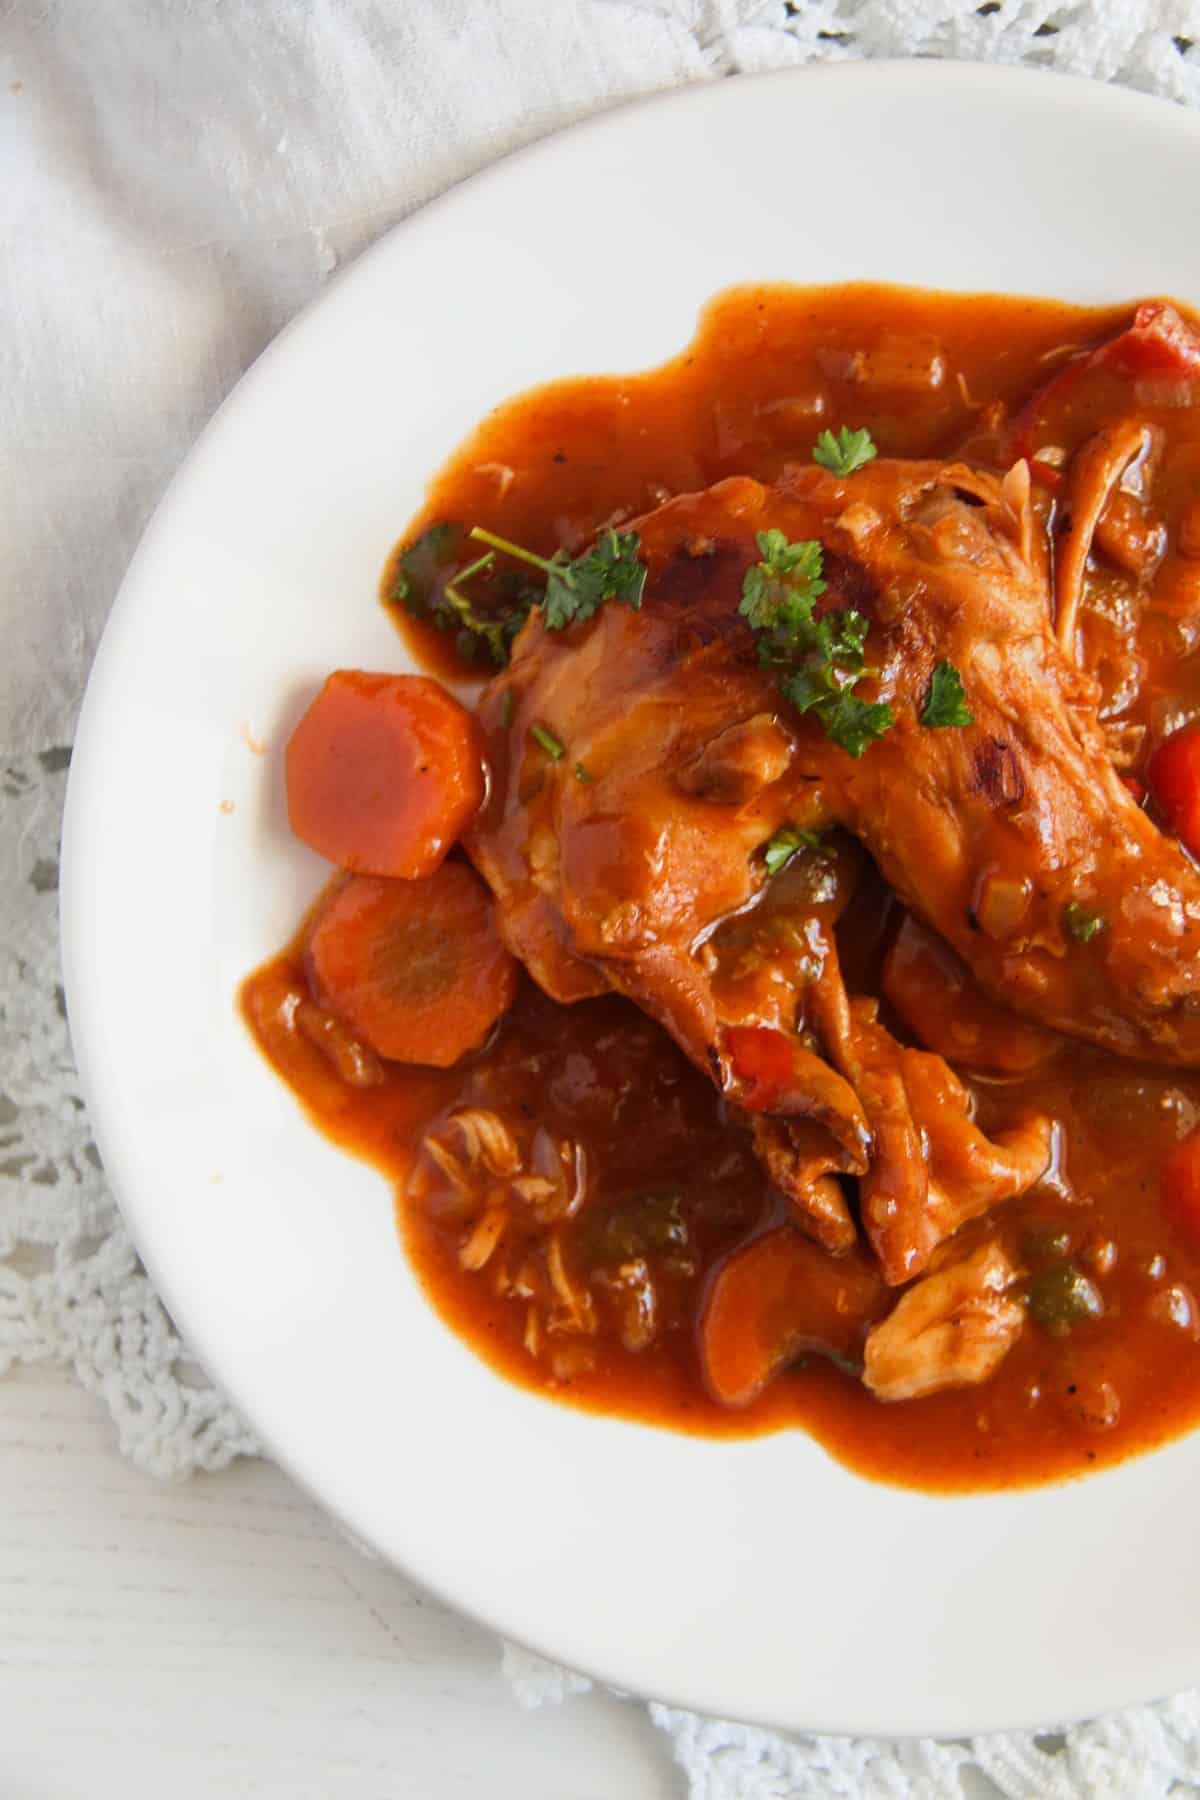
{"x": 1061, "y": 1296}
{"x": 1173, "y": 775}
{"x": 649, "y": 1222}
{"x": 1046, "y": 1241}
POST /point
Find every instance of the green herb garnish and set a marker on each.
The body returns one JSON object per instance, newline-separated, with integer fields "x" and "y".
{"x": 508, "y": 707}
{"x": 853, "y": 724}
{"x": 1080, "y": 923}
{"x": 430, "y": 579}
{"x": 946, "y": 703}
{"x": 428, "y": 583}
{"x": 786, "y": 843}
{"x": 820, "y": 660}
{"x": 581, "y": 774}
{"x": 554, "y": 747}
{"x": 779, "y": 591}
{"x": 420, "y": 567}
{"x": 577, "y": 587}
{"x": 848, "y": 451}
{"x": 492, "y": 631}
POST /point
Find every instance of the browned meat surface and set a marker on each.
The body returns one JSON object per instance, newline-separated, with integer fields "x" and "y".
{"x": 942, "y": 1006}
{"x": 634, "y": 860}
{"x": 996, "y": 834}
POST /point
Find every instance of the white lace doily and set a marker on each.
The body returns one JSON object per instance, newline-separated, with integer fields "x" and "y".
{"x": 71, "y": 1288}
{"x": 1144, "y": 1753}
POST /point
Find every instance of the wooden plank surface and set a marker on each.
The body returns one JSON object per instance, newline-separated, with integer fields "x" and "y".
{"x": 220, "y": 1638}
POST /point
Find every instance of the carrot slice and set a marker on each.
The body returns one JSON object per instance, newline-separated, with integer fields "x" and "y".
{"x": 777, "y": 1296}
{"x": 384, "y": 772}
{"x": 415, "y": 968}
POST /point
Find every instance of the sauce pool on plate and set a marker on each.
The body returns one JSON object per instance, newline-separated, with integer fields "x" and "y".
{"x": 576, "y": 1192}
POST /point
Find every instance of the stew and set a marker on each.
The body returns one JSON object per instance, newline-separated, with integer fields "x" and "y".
{"x": 776, "y": 1000}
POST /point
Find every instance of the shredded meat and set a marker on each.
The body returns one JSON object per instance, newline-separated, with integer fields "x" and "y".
{"x": 356, "y": 1064}
{"x": 931, "y": 1168}
{"x": 1095, "y": 474}
{"x": 798, "y": 1162}
{"x": 951, "y": 1329}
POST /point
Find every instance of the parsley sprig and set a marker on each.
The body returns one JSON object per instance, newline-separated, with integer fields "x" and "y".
{"x": 420, "y": 563}
{"x": 492, "y": 631}
{"x": 946, "y": 703}
{"x": 778, "y": 592}
{"x": 430, "y": 577}
{"x": 848, "y": 451}
{"x": 577, "y": 587}
{"x": 428, "y": 581}
{"x": 820, "y": 660}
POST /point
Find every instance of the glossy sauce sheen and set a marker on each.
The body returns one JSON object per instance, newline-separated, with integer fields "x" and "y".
{"x": 770, "y": 367}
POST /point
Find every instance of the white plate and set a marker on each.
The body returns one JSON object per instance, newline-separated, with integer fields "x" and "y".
{"x": 760, "y": 1579}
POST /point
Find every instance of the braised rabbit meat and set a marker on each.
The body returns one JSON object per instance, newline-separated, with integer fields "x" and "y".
{"x": 775, "y": 987}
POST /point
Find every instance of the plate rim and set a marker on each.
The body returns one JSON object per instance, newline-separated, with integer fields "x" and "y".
{"x": 100, "y": 1084}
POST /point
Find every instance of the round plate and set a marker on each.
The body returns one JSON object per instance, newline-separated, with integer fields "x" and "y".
{"x": 760, "y": 1580}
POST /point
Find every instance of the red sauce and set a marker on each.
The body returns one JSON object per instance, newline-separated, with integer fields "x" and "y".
{"x": 769, "y": 368}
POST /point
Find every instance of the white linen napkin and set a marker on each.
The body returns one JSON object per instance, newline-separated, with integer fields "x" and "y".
{"x": 176, "y": 180}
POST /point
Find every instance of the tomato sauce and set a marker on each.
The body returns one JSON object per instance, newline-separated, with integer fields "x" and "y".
{"x": 671, "y": 1182}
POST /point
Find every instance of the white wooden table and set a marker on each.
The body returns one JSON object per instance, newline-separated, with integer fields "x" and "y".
{"x": 219, "y": 1638}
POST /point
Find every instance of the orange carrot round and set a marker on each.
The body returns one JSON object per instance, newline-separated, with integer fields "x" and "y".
{"x": 415, "y": 968}
{"x": 384, "y": 773}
